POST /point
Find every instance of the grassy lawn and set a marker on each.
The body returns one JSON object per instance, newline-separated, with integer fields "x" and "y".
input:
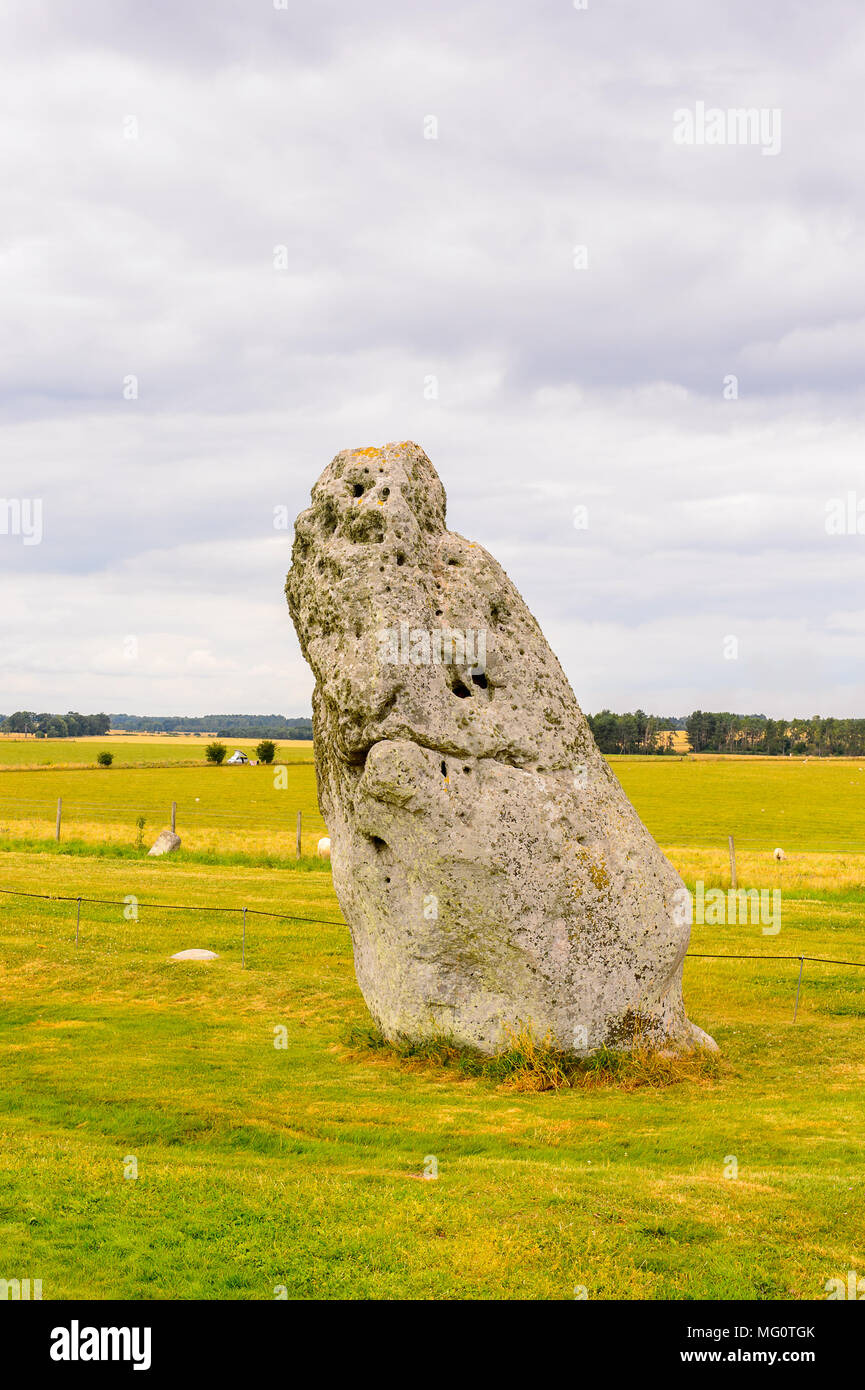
{"x": 818, "y": 805}
{"x": 231, "y": 808}
{"x": 303, "y": 1166}
{"x": 129, "y": 749}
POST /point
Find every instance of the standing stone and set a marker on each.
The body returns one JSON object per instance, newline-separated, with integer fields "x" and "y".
{"x": 489, "y": 865}
{"x": 165, "y": 843}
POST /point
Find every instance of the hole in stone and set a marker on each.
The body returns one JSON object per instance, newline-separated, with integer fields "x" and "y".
{"x": 479, "y": 679}
{"x": 460, "y": 689}
{"x": 378, "y": 843}
{"x": 438, "y": 612}
{"x": 453, "y": 562}
{"x": 357, "y": 490}
{"x": 444, "y": 769}
{"x": 466, "y": 769}
{"x": 385, "y": 492}
{"x": 400, "y": 557}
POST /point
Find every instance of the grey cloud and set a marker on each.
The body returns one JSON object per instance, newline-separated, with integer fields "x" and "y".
{"x": 409, "y": 259}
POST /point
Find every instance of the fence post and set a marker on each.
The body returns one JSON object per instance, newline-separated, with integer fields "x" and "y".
{"x": 243, "y": 948}
{"x": 733, "y": 883}
{"x": 174, "y": 817}
{"x": 59, "y": 813}
{"x": 78, "y": 922}
{"x": 298, "y": 836}
{"x": 799, "y": 986}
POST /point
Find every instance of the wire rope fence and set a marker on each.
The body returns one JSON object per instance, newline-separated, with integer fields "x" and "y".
{"x": 132, "y": 906}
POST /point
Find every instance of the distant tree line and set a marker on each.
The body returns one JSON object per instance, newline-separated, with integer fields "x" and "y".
{"x": 224, "y": 725}
{"x": 631, "y": 733}
{"x": 710, "y": 732}
{"x": 635, "y": 732}
{"x": 70, "y": 725}
{"x": 754, "y": 733}
{"x": 74, "y": 725}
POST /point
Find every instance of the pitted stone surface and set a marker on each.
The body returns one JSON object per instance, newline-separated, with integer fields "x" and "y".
{"x": 489, "y": 865}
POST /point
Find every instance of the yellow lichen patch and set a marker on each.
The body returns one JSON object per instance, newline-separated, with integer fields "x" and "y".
{"x": 599, "y": 876}
{"x": 596, "y": 870}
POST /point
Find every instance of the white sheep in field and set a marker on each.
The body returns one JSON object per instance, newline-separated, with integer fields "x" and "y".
{"x": 779, "y": 855}
{"x": 322, "y": 849}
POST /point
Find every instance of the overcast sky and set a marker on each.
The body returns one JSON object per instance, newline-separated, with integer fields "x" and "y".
{"x": 289, "y": 228}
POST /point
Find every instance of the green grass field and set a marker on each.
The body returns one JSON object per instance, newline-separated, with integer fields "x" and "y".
{"x": 241, "y": 809}
{"x": 816, "y": 805}
{"x": 130, "y": 750}
{"x": 263, "y": 1167}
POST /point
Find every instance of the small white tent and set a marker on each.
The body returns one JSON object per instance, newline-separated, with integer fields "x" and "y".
{"x": 238, "y": 757}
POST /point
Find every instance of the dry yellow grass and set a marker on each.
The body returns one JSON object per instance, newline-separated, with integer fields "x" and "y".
{"x": 253, "y": 840}
{"x": 810, "y": 874}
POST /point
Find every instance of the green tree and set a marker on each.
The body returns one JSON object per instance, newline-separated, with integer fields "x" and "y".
{"x": 23, "y": 721}
{"x": 215, "y": 752}
{"x": 266, "y": 750}
{"x": 105, "y": 759}
{"x": 605, "y": 728}
{"x": 629, "y": 733}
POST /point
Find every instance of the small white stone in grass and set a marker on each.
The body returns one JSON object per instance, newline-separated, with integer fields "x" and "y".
{"x": 196, "y": 954}
{"x": 322, "y": 849}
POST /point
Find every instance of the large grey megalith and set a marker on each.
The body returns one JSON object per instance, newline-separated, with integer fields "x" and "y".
{"x": 492, "y": 872}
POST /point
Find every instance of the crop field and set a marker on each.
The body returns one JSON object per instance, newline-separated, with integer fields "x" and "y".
{"x": 813, "y": 804}
{"x": 130, "y": 750}
{"x": 231, "y": 809}
{"x": 230, "y": 1129}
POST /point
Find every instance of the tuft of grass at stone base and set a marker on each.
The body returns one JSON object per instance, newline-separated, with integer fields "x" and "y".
{"x": 531, "y": 1064}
